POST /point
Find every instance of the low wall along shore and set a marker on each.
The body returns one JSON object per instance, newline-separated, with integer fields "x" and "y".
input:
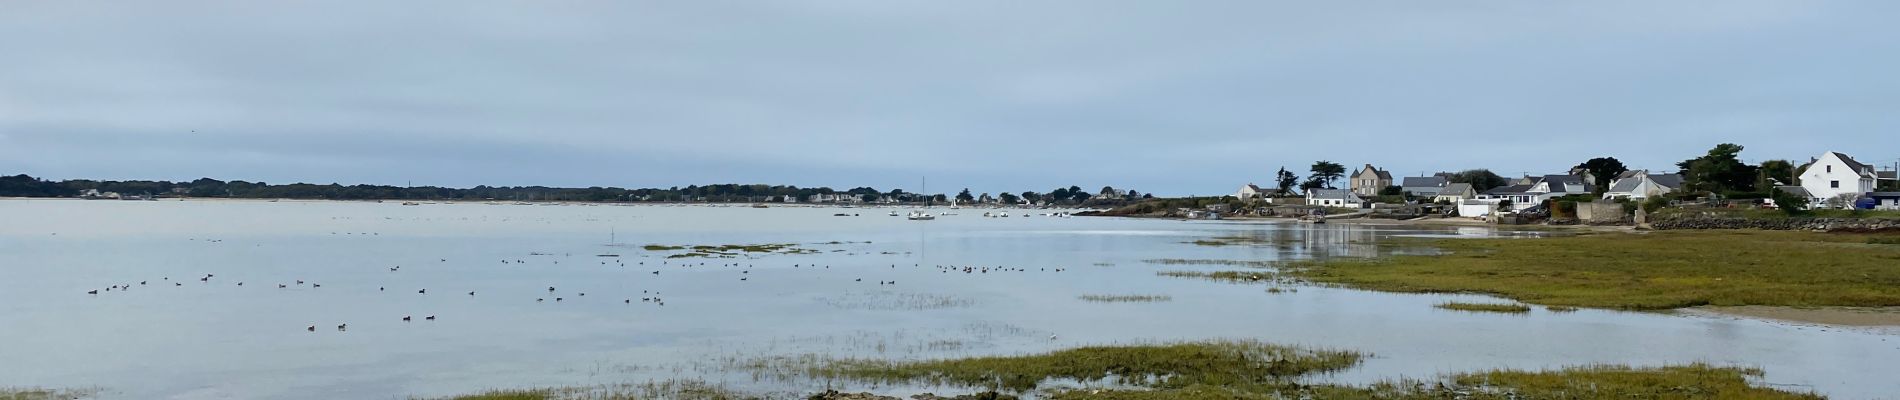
{"x": 1781, "y": 224}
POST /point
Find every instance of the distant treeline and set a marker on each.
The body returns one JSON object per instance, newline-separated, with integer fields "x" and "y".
{"x": 28, "y": 186}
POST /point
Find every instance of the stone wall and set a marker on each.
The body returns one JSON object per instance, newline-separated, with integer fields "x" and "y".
{"x": 1806, "y": 224}
{"x": 1598, "y": 213}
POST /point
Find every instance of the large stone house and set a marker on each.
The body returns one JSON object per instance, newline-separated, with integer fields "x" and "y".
{"x": 1368, "y": 181}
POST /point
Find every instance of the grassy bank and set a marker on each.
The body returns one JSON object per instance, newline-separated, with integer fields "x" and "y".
{"x": 671, "y": 390}
{"x": 16, "y": 393}
{"x": 1652, "y": 271}
{"x": 1695, "y": 381}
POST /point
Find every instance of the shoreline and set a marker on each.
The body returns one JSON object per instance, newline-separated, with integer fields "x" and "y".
{"x": 1825, "y": 316}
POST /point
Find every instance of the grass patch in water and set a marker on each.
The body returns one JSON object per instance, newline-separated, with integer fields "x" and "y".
{"x": 1485, "y": 307}
{"x": 1560, "y": 309}
{"x": 677, "y": 389}
{"x": 1234, "y": 263}
{"x": 33, "y": 393}
{"x": 1158, "y": 366}
{"x": 1224, "y": 276}
{"x": 729, "y": 250}
{"x": 1103, "y": 298}
{"x": 1605, "y": 382}
{"x": 1654, "y": 271}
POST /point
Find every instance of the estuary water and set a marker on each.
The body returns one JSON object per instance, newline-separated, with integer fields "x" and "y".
{"x": 867, "y": 284}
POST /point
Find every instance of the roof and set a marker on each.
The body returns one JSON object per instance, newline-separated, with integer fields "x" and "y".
{"x": 1458, "y": 188}
{"x": 1884, "y": 195}
{"x": 1888, "y": 175}
{"x": 1424, "y": 181}
{"x": 1625, "y": 185}
{"x": 1330, "y": 194}
{"x": 1558, "y": 182}
{"x": 1510, "y": 189}
{"x": 1851, "y": 164}
{"x": 1375, "y": 170}
{"x": 1672, "y": 181}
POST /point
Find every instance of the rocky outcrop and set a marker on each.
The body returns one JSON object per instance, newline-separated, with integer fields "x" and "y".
{"x": 1782, "y": 224}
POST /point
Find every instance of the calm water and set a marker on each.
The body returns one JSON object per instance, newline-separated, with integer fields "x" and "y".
{"x": 177, "y": 337}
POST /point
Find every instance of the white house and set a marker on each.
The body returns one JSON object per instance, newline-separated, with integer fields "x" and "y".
{"x": 1532, "y": 191}
{"x": 1639, "y": 185}
{"x": 1333, "y": 198}
{"x": 1835, "y": 176}
{"x": 1250, "y": 191}
{"x": 1476, "y": 208}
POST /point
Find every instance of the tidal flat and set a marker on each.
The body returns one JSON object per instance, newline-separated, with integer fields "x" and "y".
{"x": 307, "y": 300}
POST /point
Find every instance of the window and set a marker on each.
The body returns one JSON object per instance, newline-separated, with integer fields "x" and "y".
{"x": 1834, "y": 184}
{"x": 1830, "y": 168}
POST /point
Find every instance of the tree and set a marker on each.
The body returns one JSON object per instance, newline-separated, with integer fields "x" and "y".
{"x": 1033, "y": 197}
{"x": 1076, "y": 193}
{"x": 965, "y": 197}
{"x": 1132, "y": 194}
{"x": 1326, "y": 172}
{"x": 1775, "y": 172}
{"x": 1719, "y": 171}
{"x": 1392, "y": 191}
{"x": 1603, "y": 169}
{"x": 1286, "y": 182}
{"x": 868, "y": 198}
{"x": 1789, "y": 203}
{"x": 1007, "y": 198}
{"x": 1480, "y": 179}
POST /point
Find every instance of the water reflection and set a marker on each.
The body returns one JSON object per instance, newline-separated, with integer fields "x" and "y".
{"x": 188, "y": 338}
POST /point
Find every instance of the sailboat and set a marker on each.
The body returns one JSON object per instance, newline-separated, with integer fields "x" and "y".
{"x": 920, "y": 215}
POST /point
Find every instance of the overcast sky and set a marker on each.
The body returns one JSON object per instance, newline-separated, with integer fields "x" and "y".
{"x": 1174, "y": 97}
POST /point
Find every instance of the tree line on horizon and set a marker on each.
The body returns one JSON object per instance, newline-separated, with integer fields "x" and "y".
{"x": 27, "y": 186}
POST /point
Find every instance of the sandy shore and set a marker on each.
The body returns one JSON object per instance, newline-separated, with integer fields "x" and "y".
{"x": 1842, "y": 316}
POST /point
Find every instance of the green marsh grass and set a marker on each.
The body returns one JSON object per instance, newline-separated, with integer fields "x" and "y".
{"x": 1653, "y": 271}
{"x": 1602, "y": 382}
{"x": 1133, "y": 298}
{"x": 1158, "y": 366}
{"x": 1485, "y": 307}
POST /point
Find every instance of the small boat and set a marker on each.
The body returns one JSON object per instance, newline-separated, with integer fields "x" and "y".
{"x": 758, "y": 206}
{"x": 894, "y": 213}
{"x": 919, "y": 216}
{"x": 410, "y": 203}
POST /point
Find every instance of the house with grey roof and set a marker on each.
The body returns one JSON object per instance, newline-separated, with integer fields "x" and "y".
{"x": 1640, "y": 184}
{"x": 1838, "y": 180}
{"x": 1334, "y": 198}
{"x": 1455, "y": 193}
{"x": 1532, "y": 191}
{"x": 1424, "y": 186}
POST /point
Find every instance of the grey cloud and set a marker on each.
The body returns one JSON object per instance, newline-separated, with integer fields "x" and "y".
{"x": 1174, "y": 97}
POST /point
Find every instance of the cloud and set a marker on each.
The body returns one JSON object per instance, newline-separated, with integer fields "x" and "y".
{"x": 1176, "y": 98}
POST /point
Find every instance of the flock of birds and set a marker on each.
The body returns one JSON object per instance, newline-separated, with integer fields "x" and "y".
{"x": 646, "y": 296}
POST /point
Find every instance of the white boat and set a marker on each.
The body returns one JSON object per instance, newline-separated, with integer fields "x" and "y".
{"x": 919, "y": 216}
{"x": 893, "y": 213}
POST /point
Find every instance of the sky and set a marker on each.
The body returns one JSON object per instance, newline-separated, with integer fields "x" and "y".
{"x": 1168, "y": 97}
